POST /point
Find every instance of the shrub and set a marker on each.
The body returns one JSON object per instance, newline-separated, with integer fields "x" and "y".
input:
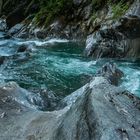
{"x": 119, "y": 9}
{"x": 49, "y": 9}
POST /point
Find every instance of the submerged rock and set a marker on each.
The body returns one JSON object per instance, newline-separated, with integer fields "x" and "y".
{"x": 22, "y": 56}
{"x": 24, "y": 52}
{"x": 2, "y": 59}
{"x": 22, "y": 48}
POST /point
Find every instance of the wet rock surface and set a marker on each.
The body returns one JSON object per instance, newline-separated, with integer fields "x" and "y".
{"x": 119, "y": 39}
{"x": 98, "y": 110}
{"x": 111, "y": 72}
{"x": 41, "y": 99}
{"x": 15, "y": 29}
{"x": 105, "y": 43}
{"x": 3, "y": 25}
{"x": 64, "y": 26}
{"x": 78, "y": 21}
{"x": 129, "y": 26}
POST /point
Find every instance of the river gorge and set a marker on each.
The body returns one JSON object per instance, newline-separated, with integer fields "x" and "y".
{"x": 69, "y": 70}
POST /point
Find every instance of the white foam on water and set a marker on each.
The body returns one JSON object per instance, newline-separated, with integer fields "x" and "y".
{"x": 131, "y": 82}
{"x": 42, "y": 43}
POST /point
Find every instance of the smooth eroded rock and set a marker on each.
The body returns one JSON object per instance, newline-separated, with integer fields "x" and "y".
{"x": 97, "y": 111}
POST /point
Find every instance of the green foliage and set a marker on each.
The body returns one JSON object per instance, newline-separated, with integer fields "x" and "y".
{"x": 49, "y": 9}
{"x": 119, "y": 9}
{"x": 93, "y": 17}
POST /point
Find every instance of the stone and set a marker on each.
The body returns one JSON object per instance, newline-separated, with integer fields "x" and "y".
{"x": 134, "y": 9}
{"x": 129, "y": 26}
{"x": 22, "y": 56}
{"x": 15, "y": 29}
{"x": 3, "y": 25}
{"x": 40, "y": 34}
{"x": 90, "y": 45}
{"x": 97, "y": 110}
{"x": 2, "y": 115}
{"x": 111, "y": 72}
{"x": 118, "y": 41}
{"x": 87, "y": 12}
{"x": 28, "y": 48}
{"x": 50, "y": 100}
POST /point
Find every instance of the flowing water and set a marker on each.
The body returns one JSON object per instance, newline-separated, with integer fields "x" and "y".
{"x": 58, "y": 65}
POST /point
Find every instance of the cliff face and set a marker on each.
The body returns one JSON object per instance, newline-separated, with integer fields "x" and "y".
{"x": 64, "y": 18}
{"x": 117, "y": 39}
{"x": 16, "y": 10}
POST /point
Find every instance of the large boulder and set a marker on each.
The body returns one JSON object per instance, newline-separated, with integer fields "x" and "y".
{"x": 106, "y": 42}
{"x": 97, "y": 111}
{"x": 120, "y": 40}
{"x": 103, "y": 111}
{"x": 117, "y": 38}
